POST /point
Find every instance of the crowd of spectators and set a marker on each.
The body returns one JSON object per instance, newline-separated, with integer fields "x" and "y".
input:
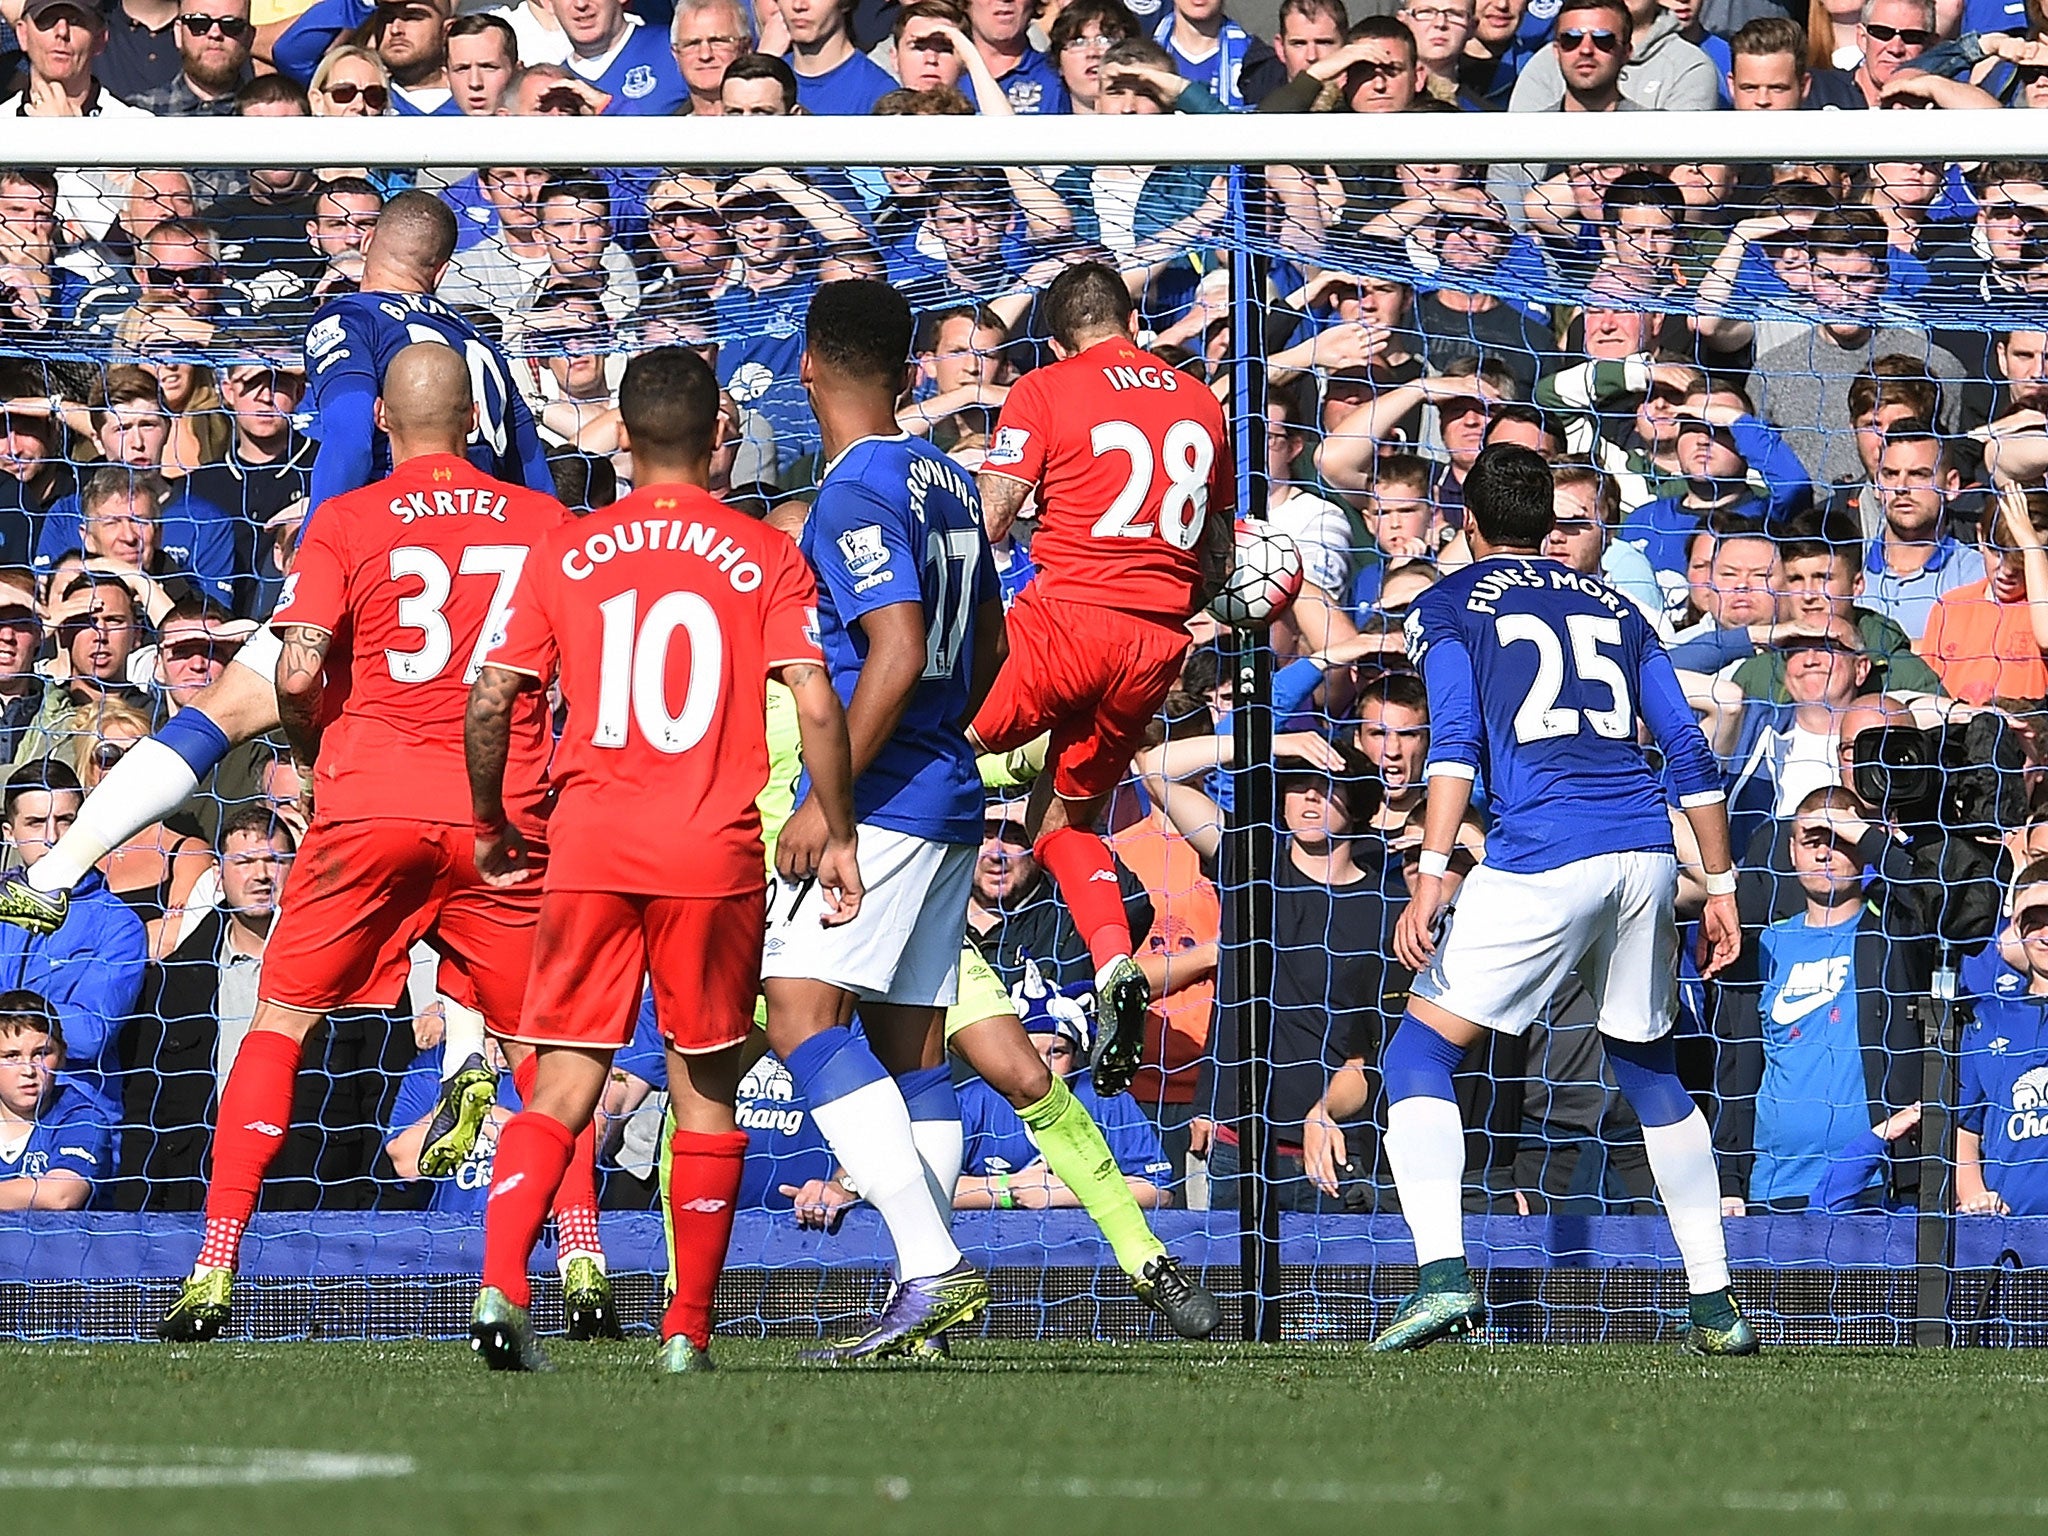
{"x": 1795, "y": 411}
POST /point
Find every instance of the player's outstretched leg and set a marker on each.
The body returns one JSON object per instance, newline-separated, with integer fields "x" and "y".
{"x": 255, "y": 1112}
{"x": 1080, "y": 865}
{"x": 1426, "y": 1150}
{"x": 1681, "y": 1152}
{"x": 156, "y": 776}
{"x": 999, "y": 1050}
{"x": 468, "y": 1093}
{"x": 534, "y": 1150}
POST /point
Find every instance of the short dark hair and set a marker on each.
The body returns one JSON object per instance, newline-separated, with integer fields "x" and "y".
{"x": 860, "y": 328}
{"x": 1088, "y": 296}
{"x": 26, "y": 1012}
{"x": 423, "y": 225}
{"x": 763, "y": 66}
{"x": 583, "y": 481}
{"x": 1913, "y": 430}
{"x": 668, "y": 399}
{"x": 272, "y": 90}
{"x": 1508, "y": 494}
{"x": 1616, "y": 8}
{"x": 1643, "y": 189}
{"x": 1386, "y": 29}
{"x": 1401, "y": 688}
{"x": 475, "y": 24}
{"x": 1356, "y": 783}
{"x": 933, "y": 322}
{"x": 44, "y": 776}
{"x": 1334, "y": 9}
{"x": 258, "y": 819}
{"x": 198, "y": 607}
{"x": 45, "y": 182}
{"x": 1766, "y": 35}
{"x": 577, "y": 189}
{"x": 346, "y": 186}
{"x": 1528, "y": 416}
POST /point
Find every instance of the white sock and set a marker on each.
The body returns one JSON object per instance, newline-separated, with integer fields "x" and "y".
{"x": 1682, "y": 1158}
{"x": 149, "y": 783}
{"x": 942, "y": 1146}
{"x": 870, "y": 1133}
{"x": 1426, "y": 1150}
{"x": 462, "y": 1036}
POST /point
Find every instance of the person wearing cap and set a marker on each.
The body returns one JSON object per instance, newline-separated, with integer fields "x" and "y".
{"x": 409, "y": 35}
{"x": 1732, "y": 461}
{"x": 215, "y": 38}
{"x": 1002, "y": 1167}
{"x": 694, "y": 247}
{"x": 2001, "y": 1106}
{"x": 1819, "y": 1040}
{"x": 1989, "y": 640}
{"x": 29, "y": 702}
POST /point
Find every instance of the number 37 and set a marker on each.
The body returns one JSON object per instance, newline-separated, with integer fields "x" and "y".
{"x": 1541, "y": 718}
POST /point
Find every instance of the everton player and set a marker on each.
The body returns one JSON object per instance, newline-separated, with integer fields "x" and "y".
{"x": 1129, "y": 463}
{"x": 664, "y": 620}
{"x": 911, "y": 621}
{"x": 1538, "y": 679}
{"x": 384, "y": 613}
{"x": 349, "y": 346}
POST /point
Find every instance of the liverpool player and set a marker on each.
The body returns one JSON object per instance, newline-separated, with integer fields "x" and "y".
{"x": 664, "y": 620}
{"x": 348, "y": 349}
{"x": 380, "y": 625}
{"x": 1128, "y": 460}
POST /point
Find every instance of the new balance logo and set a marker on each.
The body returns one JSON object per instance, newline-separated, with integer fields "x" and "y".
{"x": 506, "y": 1188}
{"x": 263, "y": 1128}
{"x": 704, "y": 1207}
{"x": 1103, "y": 874}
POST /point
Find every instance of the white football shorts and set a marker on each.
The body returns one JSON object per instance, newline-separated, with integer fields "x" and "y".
{"x": 1513, "y": 939}
{"x": 903, "y": 946}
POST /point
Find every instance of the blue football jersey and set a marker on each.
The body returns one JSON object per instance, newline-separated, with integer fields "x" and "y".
{"x": 896, "y": 521}
{"x": 994, "y": 1138}
{"x": 1537, "y": 679}
{"x": 72, "y": 1134}
{"x": 2002, "y": 1095}
{"x": 351, "y": 342}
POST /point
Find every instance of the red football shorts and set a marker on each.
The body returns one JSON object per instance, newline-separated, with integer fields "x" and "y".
{"x": 1092, "y": 676}
{"x": 363, "y": 893}
{"x": 594, "y": 949}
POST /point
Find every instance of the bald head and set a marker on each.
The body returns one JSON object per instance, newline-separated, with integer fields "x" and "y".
{"x": 425, "y": 404}
{"x": 412, "y": 241}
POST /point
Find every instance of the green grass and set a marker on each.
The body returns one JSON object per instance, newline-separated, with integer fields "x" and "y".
{"x": 1067, "y": 1439}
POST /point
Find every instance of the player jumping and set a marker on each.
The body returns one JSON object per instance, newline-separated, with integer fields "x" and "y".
{"x": 1538, "y": 677}
{"x": 664, "y": 620}
{"x": 391, "y": 592}
{"x": 1128, "y": 458}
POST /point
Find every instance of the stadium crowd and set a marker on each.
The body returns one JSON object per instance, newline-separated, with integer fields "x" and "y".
{"x": 1793, "y": 410}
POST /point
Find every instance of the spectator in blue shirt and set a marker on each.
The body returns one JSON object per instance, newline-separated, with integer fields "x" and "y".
{"x": 419, "y": 1096}
{"x": 1206, "y": 46}
{"x": 1002, "y": 1167}
{"x": 90, "y": 969}
{"x": 1721, "y": 445}
{"x": 2002, "y": 1086}
{"x": 1001, "y": 31}
{"x": 38, "y": 298}
{"x": 833, "y": 78}
{"x": 1916, "y": 558}
{"x": 55, "y": 1141}
{"x": 628, "y": 63}
{"x": 132, "y": 518}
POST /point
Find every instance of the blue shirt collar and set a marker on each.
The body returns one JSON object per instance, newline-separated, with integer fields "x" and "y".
{"x": 1944, "y": 551}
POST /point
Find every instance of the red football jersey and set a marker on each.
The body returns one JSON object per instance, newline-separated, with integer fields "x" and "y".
{"x": 409, "y": 575}
{"x": 663, "y": 615}
{"x": 1130, "y": 460}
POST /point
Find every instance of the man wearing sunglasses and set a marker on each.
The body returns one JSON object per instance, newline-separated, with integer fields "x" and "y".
{"x": 409, "y": 35}
{"x": 1895, "y": 33}
{"x": 214, "y": 40}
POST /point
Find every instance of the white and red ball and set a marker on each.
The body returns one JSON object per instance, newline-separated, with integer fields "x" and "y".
{"x": 1266, "y": 580}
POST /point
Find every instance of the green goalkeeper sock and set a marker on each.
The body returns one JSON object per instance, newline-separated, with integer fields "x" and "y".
{"x": 1074, "y": 1149}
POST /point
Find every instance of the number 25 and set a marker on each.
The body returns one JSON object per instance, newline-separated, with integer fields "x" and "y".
{"x": 1540, "y": 718}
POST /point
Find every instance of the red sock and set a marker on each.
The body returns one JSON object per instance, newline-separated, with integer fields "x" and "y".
{"x": 255, "y": 1112}
{"x": 1079, "y": 864}
{"x": 703, "y": 1187}
{"x": 575, "y": 1207}
{"x": 533, "y": 1149}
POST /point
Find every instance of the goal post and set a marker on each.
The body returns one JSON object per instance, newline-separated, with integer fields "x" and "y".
{"x": 1303, "y": 334}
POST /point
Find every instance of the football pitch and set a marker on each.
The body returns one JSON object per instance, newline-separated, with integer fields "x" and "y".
{"x": 301, "y": 1440}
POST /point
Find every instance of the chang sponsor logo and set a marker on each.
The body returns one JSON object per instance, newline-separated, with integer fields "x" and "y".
{"x": 2028, "y": 1122}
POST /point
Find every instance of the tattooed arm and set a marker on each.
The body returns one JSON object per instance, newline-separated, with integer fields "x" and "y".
{"x": 486, "y": 742}
{"x": 1001, "y": 498}
{"x": 299, "y": 668}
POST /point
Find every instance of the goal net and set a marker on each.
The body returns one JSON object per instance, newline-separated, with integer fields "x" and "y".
{"x": 1782, "y": 387}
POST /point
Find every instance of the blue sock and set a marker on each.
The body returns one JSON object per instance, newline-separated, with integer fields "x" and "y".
{"x": 1418, "y": 1063}
{"x": 1647, "y": 1074}
{"x": 832, "y": 1064}
{"x": 196, "y": 739}
{"x": 929, "y": 1093}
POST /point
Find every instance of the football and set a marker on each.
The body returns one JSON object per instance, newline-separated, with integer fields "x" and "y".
{"x": 1266, "y": 580}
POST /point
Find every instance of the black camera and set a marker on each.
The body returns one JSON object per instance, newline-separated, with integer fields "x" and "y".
{"x": 1953, "y": 790}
